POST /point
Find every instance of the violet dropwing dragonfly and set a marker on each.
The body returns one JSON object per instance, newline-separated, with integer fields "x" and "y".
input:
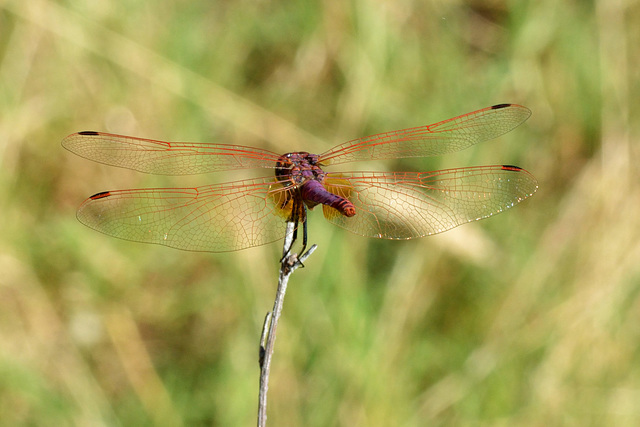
{"x": 242, "y": 214}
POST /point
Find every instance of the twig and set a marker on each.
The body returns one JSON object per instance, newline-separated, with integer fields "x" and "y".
{"x": 290, "y": 262}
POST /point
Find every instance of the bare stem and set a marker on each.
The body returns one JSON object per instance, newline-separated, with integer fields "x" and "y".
{"x": 290, "y": 262}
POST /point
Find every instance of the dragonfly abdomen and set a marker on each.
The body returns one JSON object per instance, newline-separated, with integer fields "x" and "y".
{"x": 314, "y": 193}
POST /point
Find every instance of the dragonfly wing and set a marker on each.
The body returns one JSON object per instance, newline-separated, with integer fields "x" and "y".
{"x": 213, "y": 218}
{"x": 431, "y": 140}
{"x": 165, "y": 158}
{"x": 404, "y": 205}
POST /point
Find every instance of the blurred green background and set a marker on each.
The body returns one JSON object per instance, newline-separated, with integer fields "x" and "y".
{"x": 528, "y": 318}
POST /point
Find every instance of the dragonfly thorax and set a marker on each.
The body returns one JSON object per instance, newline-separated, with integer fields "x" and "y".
{"x": 299, "y": 167}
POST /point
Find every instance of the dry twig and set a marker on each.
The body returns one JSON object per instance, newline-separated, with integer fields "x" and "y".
{"x": 289, "y": 263}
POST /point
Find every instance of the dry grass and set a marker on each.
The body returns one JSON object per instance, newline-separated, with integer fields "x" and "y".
{"x": 529, "y": 318}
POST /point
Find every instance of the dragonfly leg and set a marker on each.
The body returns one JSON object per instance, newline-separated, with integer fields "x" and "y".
{"x": 304, "y": 231}
{"x": 295, "y": 234}
{"x": 296, "y": 219}
{"x": 293, "y": 219}
{"x": 304, "y": 236}
{"x": 289, "y": 244}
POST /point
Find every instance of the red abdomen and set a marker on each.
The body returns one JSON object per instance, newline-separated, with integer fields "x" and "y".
{"x": 313, "y": 193}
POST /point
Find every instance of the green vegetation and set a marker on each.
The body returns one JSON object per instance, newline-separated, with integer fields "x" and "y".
{"x": 528, "y": 318}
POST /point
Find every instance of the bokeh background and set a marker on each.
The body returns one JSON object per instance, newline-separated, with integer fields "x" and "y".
{"x": 528, "y": 318}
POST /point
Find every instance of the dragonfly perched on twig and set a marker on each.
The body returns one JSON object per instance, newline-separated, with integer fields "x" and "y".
{"x": 242, "y": 214}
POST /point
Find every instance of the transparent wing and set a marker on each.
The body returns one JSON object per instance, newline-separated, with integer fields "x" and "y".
{"x": 165, "y": 158}
{"x": 431, "y": 140}
{"x": 404, "y": 205}
{"x": 213, "y": 218}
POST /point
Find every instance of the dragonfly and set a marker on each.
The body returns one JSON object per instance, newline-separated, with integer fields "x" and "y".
{"x": 242, "y": 214}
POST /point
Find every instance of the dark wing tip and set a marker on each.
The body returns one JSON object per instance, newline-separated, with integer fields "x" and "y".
{"x": 498, "y": 106}
{"x": 100, "y": 195}
{"x": 71, "y": 141}
{"x": 511, "y": 168}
